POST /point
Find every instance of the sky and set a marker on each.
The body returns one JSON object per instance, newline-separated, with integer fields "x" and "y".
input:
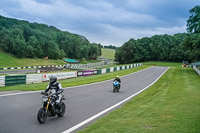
{"x": 108, "y": 22}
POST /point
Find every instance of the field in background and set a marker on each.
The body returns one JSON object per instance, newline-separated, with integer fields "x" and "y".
{"x": 7, "y": 60}
{"x": 108, "y": 53}
{"x": 171, "y": 105}
{"x": 157, "y": 63}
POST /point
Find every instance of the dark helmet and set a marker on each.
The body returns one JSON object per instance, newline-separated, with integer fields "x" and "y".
{"x": 53, "y": 79}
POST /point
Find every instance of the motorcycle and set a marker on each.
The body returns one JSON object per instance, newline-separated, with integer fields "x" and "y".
{"x": 115, "y": 86}
{"x": 49, "y": 107}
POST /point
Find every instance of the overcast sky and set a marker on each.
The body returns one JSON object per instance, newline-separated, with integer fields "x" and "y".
{"x": 109, "y": 22}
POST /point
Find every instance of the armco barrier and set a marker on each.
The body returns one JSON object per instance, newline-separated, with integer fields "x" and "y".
{"x": 37, "y": 78}
{"x": 15, "y": 80}
{"x": 29, "y": 67}
{"x": 111, "y": 69}
{"x": 196, "y": 69}
{"x": 2, "y": 81}
{"x": 33, "y": 78}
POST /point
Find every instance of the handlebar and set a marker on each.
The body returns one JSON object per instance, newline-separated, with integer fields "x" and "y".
{"x": 47, "y": 94}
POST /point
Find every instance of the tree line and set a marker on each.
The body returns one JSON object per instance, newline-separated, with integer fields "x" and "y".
{"x": 177, "y": 47}
{"x": 110, "y": 47}
{"x": 24, "y": 39}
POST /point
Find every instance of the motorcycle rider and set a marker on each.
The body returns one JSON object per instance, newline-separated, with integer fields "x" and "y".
{"x": 54, "y": 87}
{"x": 118, "y": 79}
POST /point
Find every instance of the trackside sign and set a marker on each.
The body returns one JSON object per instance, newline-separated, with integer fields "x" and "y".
{"x": 86, "y": 73}
{"x": 45, "y": 77}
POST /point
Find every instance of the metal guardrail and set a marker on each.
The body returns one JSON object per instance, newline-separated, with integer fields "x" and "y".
{"x": 37, "y": 78}
{"x": 29, "y": 67}
{"x": 196, "y": 69}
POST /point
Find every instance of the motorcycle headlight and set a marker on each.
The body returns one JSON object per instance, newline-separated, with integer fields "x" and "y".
{"x": 45, "y": 99}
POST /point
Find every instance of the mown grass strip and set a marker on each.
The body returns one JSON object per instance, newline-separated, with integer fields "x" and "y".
{"x": 171, "y": 105}
{"x": 158, "y": 63}
{"x": 74, "y": 81}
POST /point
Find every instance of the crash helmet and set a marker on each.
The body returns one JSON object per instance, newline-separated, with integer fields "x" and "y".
{"x": 53, "y": 79}
{"x": 117, "y": 77}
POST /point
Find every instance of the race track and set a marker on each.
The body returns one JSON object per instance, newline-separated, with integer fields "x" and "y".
{"x": 18, "y": 112}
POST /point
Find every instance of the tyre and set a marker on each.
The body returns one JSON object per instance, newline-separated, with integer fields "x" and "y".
{"x": 61, "y": 110}
{"x": 42, "y": 115}
{"x": 114, "y": 89}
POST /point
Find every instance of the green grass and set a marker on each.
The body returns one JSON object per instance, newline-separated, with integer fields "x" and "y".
{"x": 157, "y": 63}
{"x": 74, "y": 81}
{"x": 171, "y": 105}
{"x": 108, "y": 53}
{"x": 90, "y": 61}
{"x": 7, "y": 60}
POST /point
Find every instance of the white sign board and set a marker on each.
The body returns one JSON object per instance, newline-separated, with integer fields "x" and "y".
{"x": 45, "y": 77}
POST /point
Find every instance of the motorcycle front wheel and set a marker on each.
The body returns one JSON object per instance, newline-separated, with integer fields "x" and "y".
{"x": 62, "y": 110}
{"x": 114, "y": 88}
{"x": 42, "y": 115}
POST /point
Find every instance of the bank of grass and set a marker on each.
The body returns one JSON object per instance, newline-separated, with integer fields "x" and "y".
{"x": 108, "y": 53}
{"x": 8, "y": 60}
{"x": 158, "y": 63}
{"x": 171, "y": 105}
{"x": 74, "y": 81}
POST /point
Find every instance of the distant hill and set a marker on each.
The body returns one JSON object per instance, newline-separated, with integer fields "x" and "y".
{"x": 108, "y": 53}
{"x": 24, "y": 39}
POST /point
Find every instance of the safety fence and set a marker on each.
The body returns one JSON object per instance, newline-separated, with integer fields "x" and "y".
{"x": 30, "y": 67}
{"x": 77, "y": 66}
{"x": 196, "y": 69}
{"x": 72, "y": 66}
{"x": 37, "y": 78}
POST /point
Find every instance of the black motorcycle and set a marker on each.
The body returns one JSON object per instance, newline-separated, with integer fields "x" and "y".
{"x": 50, "y": 108}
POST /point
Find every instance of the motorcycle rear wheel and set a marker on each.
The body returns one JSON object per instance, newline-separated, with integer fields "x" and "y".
{"x": 42, "y": 115}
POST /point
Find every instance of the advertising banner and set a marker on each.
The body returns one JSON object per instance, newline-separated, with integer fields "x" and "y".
{"x": 45, "y": 77}
{"x": 86, "y": 73}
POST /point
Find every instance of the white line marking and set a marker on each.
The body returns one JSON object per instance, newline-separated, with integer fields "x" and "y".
{"x": 20, "y": 93}
{"x": 110, "y": 108}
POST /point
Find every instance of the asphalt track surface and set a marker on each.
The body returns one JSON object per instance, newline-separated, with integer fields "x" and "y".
{"x": 17, "y": 71}
{"x": 18, "y": 113}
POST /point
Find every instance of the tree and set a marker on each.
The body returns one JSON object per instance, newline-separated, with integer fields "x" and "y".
{"x": 193, "y": 23}
{"x": 192, "y": 45}
{"x": 24, "y": 39}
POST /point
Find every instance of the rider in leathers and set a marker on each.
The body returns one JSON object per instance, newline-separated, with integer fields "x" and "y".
{"x": 118, "y": 79}
{"x": 54, "y": 87}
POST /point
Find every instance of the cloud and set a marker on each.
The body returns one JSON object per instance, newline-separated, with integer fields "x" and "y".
{"x": 105, "y": 21}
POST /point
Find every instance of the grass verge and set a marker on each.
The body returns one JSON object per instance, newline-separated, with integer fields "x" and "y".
{"x": 171, "y": 105}
{"x": 74, "y": 81}
{"x": 157, "y": 63}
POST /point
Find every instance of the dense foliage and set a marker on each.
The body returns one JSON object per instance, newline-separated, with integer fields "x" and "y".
{"x": 179, "y": 47}
{"x": 110, "y": 47}
{"x": 24, "y": 39}
{"x": 193, "y": 23}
